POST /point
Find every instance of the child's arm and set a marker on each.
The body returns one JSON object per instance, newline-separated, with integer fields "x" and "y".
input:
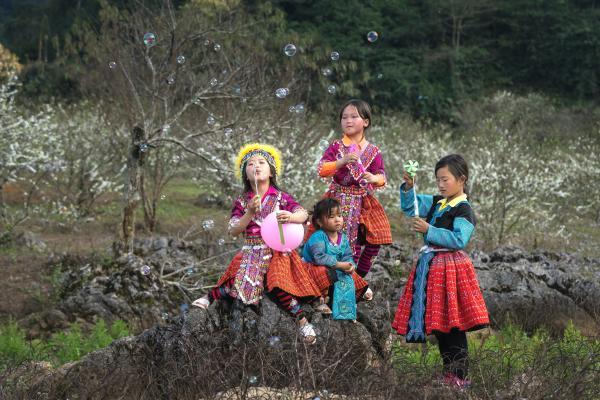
{"x": 459, "y": 236}
{"x": 291, "y": 211}
{"x": 240, "y": 218}
{"x": 347, "y": 255}
{"x": 375, "y": 174}
{"x": 329, "y": 163}
{"x": 318, "y": 251}
{"x": 407, "y": 199}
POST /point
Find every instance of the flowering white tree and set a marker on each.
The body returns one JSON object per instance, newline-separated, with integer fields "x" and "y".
{"x": 26, "y": 155}
{"x": 188, "y": 79}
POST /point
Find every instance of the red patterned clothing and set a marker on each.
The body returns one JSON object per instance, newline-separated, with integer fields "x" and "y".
{"x": 257, "y": 261}
{"x": 442, "y": 291}
{"x": 454, "y": 299}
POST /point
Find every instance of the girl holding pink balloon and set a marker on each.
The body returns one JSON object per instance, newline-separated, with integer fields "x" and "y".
{"x": 356, "y": 169}
{"x": 271, "y": 221}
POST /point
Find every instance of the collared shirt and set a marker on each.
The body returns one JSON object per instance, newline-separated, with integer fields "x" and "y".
{"x": 452, "y": 203}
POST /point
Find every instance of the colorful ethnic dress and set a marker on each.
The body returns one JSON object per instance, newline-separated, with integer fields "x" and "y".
{"x": 322, "y": 255}
{"x": 442, "y": 292}
{"x": 365, "y": 221}
{"x": 258, "y": 268}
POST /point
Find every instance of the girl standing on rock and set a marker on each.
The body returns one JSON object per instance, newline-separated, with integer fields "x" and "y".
{"x": 442, "y": 295}
{"x": 257, "y": 269}
{"x": 356, "y": 170}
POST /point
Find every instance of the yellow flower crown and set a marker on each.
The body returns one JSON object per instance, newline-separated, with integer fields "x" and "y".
{"x": 270, "y": 153}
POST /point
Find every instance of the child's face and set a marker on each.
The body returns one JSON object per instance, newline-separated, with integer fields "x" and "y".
{"x": 352, "y": 123}
{"x": 258, "y": 165}
{"x": 333, "y": 222}
{"x": 448, "y": 185}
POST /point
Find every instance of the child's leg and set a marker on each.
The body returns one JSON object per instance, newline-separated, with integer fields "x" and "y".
{"x": 288, "y": 303}
{"x": 364, "y": 262}
{"x": 221, "y": 292}
{"x": 454, "y": 351}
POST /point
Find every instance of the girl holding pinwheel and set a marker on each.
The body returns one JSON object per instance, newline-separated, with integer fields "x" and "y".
{"x": 442, "y": 295}
{"x": 356, "y": 169}
{"x": 257, "y": 269}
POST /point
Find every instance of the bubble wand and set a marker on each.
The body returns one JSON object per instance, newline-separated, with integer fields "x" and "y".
{"x": 256, "y": 189}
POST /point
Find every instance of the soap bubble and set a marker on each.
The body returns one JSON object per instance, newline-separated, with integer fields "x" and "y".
{"x": 180, "y": 59}
{"x": 112, "y": 65}
{"x": 208, "y": 224}
{"x": 143, "y": 147}
{"x": 334, "y": 56}
{"x": 282, "y": 92}
{"x": 228, "y": 132}
{"x": 221, "y": 242}
{"x": 253, "y": 380}
{"x": 332, "y": 89}
{"x": 323, "y": 144}
{"x": 372, "y": 36}
{"x": 149, "y": 39}
{"x": 145, "y": 270}
{"x": 274, "y": 341}
{"x": 237, "y": 89}
{"x": 379, "y": 76}
{"x": 217, "y": 47}
{"x": 214, "y": 82}
{"x": 171, "y": 80}
{"x": 210, "y": 120}
{"x": 206, "y": 42}
{"x": 165, "y": 316}
{"x": 299, "y": 108}
{"x": 292, "y": 109}
{"x": 326, "y": 71}
{"x": 289, "y": 50}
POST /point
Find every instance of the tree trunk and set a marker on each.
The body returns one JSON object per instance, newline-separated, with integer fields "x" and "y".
{"x": 131, "y": 191}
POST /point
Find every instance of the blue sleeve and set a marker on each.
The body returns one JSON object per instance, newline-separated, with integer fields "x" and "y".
{"x": 407, "y": 202}
{"x": 316, "y": 251}
{"x": 347, "y": 256}
{"x": 462, "y": 229}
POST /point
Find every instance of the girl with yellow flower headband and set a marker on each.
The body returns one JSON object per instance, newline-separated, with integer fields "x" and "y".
{"x": 257, "y": 269}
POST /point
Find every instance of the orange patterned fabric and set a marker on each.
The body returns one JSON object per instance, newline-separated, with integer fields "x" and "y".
{"x": 286, "y": 272}
{"x": 376, "y": 223}
{"x": 320, "y": 276}
{"x": 372, "y": 217}
{"x": 327, "y": 169}
{"x": 289, "y": 273}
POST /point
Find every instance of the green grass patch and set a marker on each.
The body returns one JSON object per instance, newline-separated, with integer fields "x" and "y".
{"x": 61, "y": 348}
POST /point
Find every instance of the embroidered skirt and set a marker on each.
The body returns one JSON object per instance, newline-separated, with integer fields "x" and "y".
{"x": 284, "y": 271}
{"x": 453, "y": 296}
{"x": 364, "y": 217}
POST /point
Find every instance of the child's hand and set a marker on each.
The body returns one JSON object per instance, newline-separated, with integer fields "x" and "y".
{"x": 408, "y": 180}
{"x": 254, "y": 205}
{"x": 349, "y": 158}
{"x": 345, "y": 266}
{"x": 419, "y": 225}
{"x": 284, "y": 216}
{"x": 370, "y": 178}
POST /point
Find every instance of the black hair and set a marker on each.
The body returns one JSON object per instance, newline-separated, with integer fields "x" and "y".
{"x": 272, "y": 179}
{"x": 457, "y": 166}
{"x": 363, "y": 108}
{"x": 323, "y": 208}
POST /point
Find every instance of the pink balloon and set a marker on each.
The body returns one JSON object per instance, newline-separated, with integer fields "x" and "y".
{"x": 292, "y": 234}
